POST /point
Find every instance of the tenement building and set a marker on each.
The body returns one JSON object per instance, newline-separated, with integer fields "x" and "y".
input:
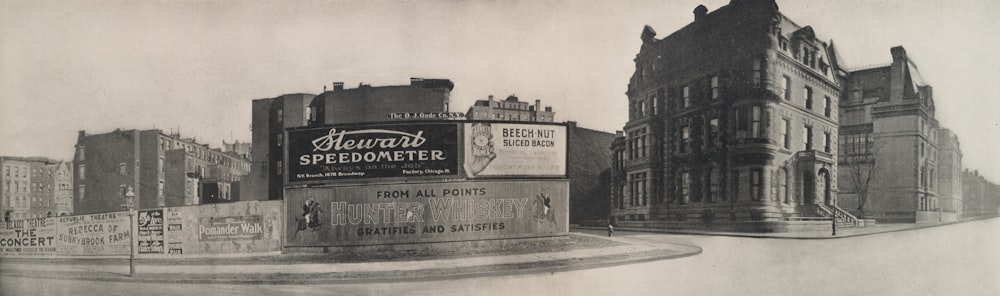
{"x": 889, "y": 165}
{"x": 162, "y": 170}
{"x": 732, "y": 125}
{"x": 272, "y": 116}
{"x": 510, "y": 109}
{"x": 34, "y": 187}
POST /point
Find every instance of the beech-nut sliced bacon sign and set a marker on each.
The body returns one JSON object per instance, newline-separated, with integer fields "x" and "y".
{"x": 372, "y": 151}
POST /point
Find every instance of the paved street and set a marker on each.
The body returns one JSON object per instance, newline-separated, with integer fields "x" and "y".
{"x": 960, "y": 259}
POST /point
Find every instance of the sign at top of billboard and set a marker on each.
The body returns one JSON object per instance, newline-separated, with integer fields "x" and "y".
{"x": 513, "y": 149}
{"x": 373, "y": 151}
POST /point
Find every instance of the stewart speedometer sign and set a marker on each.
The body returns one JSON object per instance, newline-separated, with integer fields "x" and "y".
{"x": 372, "y": 151}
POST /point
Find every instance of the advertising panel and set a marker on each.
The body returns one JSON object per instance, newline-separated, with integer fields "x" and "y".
{"x": 425, "y": 212}
{"x": 226, "y": 228}
{"x": 510, "y": 149}
{"x": 150, "y": 232}
{"x": 372, "y": 151}
{"x": 31, "y": 237}
{"x": 95, "y": 234}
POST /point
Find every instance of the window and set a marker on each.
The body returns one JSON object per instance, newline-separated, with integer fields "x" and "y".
{"x": 263, "y": 168}
{"x": 82, "y": 191}
{"x": 755, "y": 127}
{"x": 80, "y": 153}
{"x": 642, "y": 108}
{"x": 82, "y": 172}
{"x": 638, "y": 185}
{"x": 756, "y": 184}
{"x": 281, "y": 139}
{"x": 685, "y": 138}
{"x": 281, "y": 115}
{"x": 121, "y": 168}
{"x": 786, "y": 133}
{"x": 685, "y": 187}
{"x": 826, "y": 142}
{"x": 786, "y": 87}
{"x": 656, "y": 105}
{"x": 687, "y": 96}
{"x": 279, "y": 168}
{"x": 808, "y": 96}
{"x": 159, "y": 189}
{"x": 826, "y": 106}
{"x": 713, "y": 132}
{"x": 807, "y": 134}
{"x": 757, "y": 72}
{"x": 715, "y": 86}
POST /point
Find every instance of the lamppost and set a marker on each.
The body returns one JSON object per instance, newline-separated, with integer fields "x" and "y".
{"x": 130, "y": 203}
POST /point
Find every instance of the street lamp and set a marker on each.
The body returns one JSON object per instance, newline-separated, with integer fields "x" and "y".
{"x": 130, "y": 203}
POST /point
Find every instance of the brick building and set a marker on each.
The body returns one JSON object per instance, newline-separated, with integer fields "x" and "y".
{"x": 163, "y": 170}
{"x": 732, "y": 125}
{"x": 363, "y": 104}
{"x": 509, "y": 109}
{"x": 887, "y": 126}
{"x": 981, "y": 198}
{"x": 34, "y": 187}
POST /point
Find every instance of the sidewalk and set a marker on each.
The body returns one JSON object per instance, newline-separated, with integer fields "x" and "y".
{"x": 628, "y": 252}
{"x": 842, "y": 232}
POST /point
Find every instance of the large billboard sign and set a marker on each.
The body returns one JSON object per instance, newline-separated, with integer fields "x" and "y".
{"x": 511, "y": 149}
{"x": 425, "y": 212}
{"x": 95, "y": 234}
{"x": 31, "y": 237}
{"x": 372, "y": 151}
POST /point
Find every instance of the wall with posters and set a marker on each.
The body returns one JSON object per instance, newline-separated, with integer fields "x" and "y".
{"x": 372, "y": 151}
{"x": 226, "y": 228}
{"x": 28, "y": 238}
{"x": 513, "y": 149}
{"x": 425, "y": 212}
{"x": 106, "y": 234}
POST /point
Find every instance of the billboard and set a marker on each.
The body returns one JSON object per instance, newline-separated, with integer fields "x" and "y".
{"x": 224, "y": 228}
{"x": 425, "y": 212}
{"x": 150, "y": 237}
{"x": 372, "y": 151}
{"x": 512, "y": 149}
{"x": 31, "y": 237}
{"x": 95, "y": 234}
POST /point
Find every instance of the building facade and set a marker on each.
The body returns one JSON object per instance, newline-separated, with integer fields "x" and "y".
{"x": 949, "y": 184}
{"x": 889, "y": 132}
{"x": 34, "y": 187}
{"x": 981, "y": 198}
{"x": 510, "y": 109}
{"x": 732, "y": 124}
{"x": 162, "y": 169}
{"x": 271, "y": 117}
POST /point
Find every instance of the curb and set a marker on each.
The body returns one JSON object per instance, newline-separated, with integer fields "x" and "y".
{"x": 348, "y": 277}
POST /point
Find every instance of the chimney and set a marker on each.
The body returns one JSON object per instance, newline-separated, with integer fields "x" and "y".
{"x": 700, "y": 12}
{"x": 538, "y": 105}
{"x": 491, "y": 98}
{"x": 548, "y": 109}
{"x": 619, "y": 134}
{"x": 338, "y": 86}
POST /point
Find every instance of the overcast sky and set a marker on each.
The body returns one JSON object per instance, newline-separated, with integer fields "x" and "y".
{"x": 195, "y": 66}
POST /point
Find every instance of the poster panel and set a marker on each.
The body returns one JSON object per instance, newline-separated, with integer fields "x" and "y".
{"x": 95, "y": 234}
{"x": 425, "y": 212}
{"x": 31, "y": 237}
{"x": 511, "y": 149}
{"x": 372, "y": 151}
{"x": 150, "y": 232}
{"x": 225, "y": 228}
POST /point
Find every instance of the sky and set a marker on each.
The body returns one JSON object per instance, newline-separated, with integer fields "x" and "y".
{"x": 195, "y": 66}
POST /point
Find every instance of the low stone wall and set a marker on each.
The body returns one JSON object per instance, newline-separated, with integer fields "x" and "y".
{"x": 727, "y": 226}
